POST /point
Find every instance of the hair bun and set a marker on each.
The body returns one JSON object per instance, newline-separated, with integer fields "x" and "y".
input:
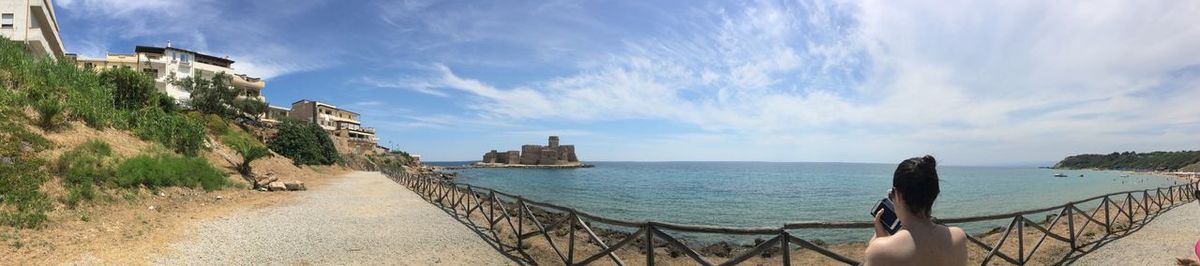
{"x": 927, "y": 163}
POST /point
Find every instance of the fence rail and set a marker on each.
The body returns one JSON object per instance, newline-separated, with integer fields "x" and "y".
{"x": 515, "y": 211}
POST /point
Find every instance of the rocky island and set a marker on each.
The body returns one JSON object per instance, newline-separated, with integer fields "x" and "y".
{"x": 551, "y": 155}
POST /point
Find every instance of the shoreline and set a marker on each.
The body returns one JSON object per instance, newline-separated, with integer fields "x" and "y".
{"x": 1184, "y": 176}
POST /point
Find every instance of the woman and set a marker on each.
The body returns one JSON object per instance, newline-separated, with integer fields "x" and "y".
{"x": 919, "y": 241}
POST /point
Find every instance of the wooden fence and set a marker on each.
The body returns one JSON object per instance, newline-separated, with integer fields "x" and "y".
{"x": 495, "y": 206}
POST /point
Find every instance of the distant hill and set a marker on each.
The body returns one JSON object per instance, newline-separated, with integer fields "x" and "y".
{"x": 1156, "y": 161}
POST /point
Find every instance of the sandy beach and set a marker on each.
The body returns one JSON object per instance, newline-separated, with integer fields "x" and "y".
{"x": 1171, "y": 235}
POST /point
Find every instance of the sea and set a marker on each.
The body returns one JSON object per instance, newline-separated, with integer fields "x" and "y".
{"x": 770, "y": 194}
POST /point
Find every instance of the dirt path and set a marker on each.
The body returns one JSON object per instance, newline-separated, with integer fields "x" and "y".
{"x": 361, "y": 218}
{"x": 1171, "y": 235}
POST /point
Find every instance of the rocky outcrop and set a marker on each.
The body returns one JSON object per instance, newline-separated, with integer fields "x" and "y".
{"x": 551, "y": 154}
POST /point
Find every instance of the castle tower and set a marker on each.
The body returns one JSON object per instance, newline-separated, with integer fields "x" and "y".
{"x": 554, "y": 143}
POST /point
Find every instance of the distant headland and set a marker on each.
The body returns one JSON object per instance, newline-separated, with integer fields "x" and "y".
{"x": 551, "y": 155}
{"x": 1166, "y": 161}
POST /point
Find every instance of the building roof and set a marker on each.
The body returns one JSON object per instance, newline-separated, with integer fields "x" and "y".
{"x": 199, "y": 56}
{"x": 325, "y": 104}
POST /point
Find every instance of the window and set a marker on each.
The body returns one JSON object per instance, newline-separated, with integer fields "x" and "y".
{"x": 6, "y": 21}
{"x": 88, "y": 65}
{"x": 150, "y": 71}
{"x": 183, "y": 58}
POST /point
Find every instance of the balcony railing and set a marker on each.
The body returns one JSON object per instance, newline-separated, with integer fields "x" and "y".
{"x": 356, "y": 128}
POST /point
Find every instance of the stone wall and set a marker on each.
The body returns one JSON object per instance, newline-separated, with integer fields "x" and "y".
{"x": 530, "y": 154}
{"x": 511, "y": 157}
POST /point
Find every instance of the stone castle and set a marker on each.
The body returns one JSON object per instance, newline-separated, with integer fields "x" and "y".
{"x": 552, "y": 154}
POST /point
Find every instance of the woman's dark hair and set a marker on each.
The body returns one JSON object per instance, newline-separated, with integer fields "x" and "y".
{"x": 917, "y": 181}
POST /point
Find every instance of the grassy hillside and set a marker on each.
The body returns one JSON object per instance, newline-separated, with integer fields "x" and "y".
{"x": 1154, "y": 161}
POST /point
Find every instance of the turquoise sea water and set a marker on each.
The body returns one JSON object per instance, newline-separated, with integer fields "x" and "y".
{"x": 770, "y": 194}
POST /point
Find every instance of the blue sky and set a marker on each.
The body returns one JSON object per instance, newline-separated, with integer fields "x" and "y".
{"x": 972, "y": 82}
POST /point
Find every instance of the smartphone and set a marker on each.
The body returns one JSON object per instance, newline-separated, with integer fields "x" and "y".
{"x": 890, "y": 222}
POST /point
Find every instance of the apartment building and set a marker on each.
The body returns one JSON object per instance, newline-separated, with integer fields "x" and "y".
{"x": 348, "y": 133}
{"x": 276, "y": 114}
{"x": 33, "y": 23}
{"x": 167, "y": 64}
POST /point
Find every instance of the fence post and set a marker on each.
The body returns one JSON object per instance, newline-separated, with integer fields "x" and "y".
{"x": 1107, "y": 222}
{"x": 787, "y": 252}
{"x": 571, "y": 239}
{"x": 1020, "y": 239}
{"x": 649, "y": 244}
{"x": 1071, "y": 224}
{"x": 1129, "y": 205}
{"x": 520, "y": 221}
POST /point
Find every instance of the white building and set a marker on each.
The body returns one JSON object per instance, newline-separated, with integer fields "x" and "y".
{"x": 166, "y": 64}
{"x": 33, "y": 23}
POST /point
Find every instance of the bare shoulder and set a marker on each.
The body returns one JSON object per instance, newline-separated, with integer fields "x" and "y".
{"x": 958, "y": 238}
{"x": 886, "y": 250}
{"x": 957, "y": 235}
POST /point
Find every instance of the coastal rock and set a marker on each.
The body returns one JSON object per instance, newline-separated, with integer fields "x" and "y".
{"x": 276, "y": 186}
{"x": 720, "y": 249}
{"x": 295, "y": 186}
{"x": 766, "y": 253}
{"x": 818, "y": 242}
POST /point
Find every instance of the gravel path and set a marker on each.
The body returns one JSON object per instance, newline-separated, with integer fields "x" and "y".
{"x": 361, "y": 218}
{"x": 1171, "y": 235}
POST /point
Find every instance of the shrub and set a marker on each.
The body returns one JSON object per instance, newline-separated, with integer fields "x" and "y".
{"x": 86, "y": 98}
{"x": 131, "y": 89}
{"x": 22, "y": 203}
{"x": 89, "y": 163}
{"x": 167, "y": 170}
{"x": 174, "y": 130}
{"x": 92, "y": 105}
{"x": 250, "y": 150}
{"x": 304, "y": 143}
{"x": 50, "y": 114}
{"x": 83, "y": 168}
{"x": 79, "y": 193}
{"x": 215, "y": 125}
{"x": 168, "y": 104}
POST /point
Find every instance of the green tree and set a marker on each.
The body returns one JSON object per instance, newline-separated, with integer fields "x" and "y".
{"x": 304, "y": 143}
{"x": 131, "y": 89}
{"x": 213, "y": 95}
{"x": 250, "y": 108}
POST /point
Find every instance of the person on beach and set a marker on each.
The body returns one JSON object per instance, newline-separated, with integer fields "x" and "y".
{"x": 919, "y": 241}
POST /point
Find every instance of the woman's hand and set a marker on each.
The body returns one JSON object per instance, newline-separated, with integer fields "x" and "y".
{"x": 1186, "y": 262}
{"x": 879, "y": 230}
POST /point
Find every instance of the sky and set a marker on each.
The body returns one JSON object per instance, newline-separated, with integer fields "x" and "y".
{"x": 970, "y": 82}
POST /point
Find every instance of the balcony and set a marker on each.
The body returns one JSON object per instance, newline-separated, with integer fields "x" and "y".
{"x": 355, "y": 127}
